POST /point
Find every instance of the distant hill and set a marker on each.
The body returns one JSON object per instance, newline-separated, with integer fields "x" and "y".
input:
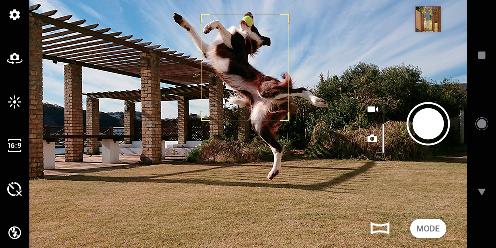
{"x": 120, "y": 115}
{"x": 53, "y": 115}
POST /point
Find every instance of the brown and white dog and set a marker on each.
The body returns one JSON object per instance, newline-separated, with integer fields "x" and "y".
{"x": 268, "y": 98}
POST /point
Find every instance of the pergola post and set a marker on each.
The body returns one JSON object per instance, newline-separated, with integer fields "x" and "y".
{"x": 182, "y": 119}
{"x": 35, "y": 99}
{"x": 150, "y": 108}
{"x": 73, "y": 113}
{"x": 129, "y": 120}
{"x": 216, "y": 106}
{"x": 93, "y": 124}
{"x": 244, "y": 125}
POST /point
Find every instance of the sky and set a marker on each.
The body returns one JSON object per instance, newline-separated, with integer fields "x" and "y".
{"x": 323, "y": 36}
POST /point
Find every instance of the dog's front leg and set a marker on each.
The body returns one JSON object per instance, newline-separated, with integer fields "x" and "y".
{"x": 202, "y": 46}
{"x": 224, "y": 33}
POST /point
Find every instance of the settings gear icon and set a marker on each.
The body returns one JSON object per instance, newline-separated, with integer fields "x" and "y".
{"x": 14, "y": 14}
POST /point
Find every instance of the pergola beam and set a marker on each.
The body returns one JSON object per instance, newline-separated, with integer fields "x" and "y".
{"x": 69, "y": 42}
{"x": 167, "y": 94}
{"x": 88, "y": 32}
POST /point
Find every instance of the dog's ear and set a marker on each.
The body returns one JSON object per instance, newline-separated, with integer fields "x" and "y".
{"x": 287, "y": 79}
{"x": 286, "y": 76}
{"x": 265, "y": 41}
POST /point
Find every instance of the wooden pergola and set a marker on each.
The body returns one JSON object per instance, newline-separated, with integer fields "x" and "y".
{"x": 91, "y": 46}
{"x": 61, "y": 39}
{"x": 181, "y": 94}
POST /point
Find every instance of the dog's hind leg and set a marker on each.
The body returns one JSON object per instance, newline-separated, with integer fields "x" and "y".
{"x": 266, "y": 125}
{"x": 239, "y": 100}
{"x": 302, "y": 92}
{"x": 277, "y": 149}
{"x": 224, "y": 33}
{"x": 202, "y": 46}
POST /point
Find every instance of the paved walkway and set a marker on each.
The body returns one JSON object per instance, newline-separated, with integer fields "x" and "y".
{"x": 91, "y": 163}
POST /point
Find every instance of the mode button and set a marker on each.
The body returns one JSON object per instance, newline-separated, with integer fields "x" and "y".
{"x": 428, "y": 228}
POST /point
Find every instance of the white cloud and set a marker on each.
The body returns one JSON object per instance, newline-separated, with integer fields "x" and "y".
{"x": 60, "y": 6}
{"x": 325, "y": 36}
{"x": 95, "y": 80}
{"x": 385, "y": 37}
{"x": 90, "y": 11}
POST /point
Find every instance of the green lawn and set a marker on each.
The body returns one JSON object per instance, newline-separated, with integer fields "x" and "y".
{"x": 312, "y": 203}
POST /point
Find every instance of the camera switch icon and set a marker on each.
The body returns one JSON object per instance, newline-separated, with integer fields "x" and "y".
{"x": 14, "y": 58}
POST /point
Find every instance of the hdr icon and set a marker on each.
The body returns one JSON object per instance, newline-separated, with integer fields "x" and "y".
{"x": 428, "y": 228}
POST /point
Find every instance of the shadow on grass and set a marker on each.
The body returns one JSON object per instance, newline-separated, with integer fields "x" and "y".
{"x": 95, "y": 169}
{"x": 99, "y": 168}
{"x": 448, "y": 159}
{"x": 331, "y": 182}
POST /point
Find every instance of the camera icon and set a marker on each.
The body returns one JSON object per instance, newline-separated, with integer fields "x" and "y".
{"x": 372, "y": 138}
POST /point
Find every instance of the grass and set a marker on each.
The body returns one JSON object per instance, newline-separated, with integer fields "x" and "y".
{"x": 316, "y": 203}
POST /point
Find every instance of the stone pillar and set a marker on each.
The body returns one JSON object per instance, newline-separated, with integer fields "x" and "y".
{"x": 35, "y": 99}
{"x": 216, "y": 106}
{"x": 73, "y": 112}
{"x": 129, "y": 120}
{"x": 93, "y": 124}
{"x": 244, "y": 125}
{"x": 150, "y": 108}
{"x": 182, "y": 119}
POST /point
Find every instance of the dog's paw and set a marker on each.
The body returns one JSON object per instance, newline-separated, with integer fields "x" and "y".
{"x": 178, "y": 18}
{"x": 207, "y": 29}
{"x": 318, "y": 102}
{"x": 181, "y": 21}
{"x": 272, "y": 174}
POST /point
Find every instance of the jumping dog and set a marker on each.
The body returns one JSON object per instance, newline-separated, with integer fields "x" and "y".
{"x": 268, "y": 98}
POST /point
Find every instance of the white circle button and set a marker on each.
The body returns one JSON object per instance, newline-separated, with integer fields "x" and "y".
{"x": 481, "y": 123}
{"x": 428, "y": 123}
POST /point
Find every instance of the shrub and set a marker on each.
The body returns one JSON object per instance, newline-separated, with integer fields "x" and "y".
{"x": 399, "y": 145}
{"x": 193, "y": 155}
{"x": 351, "y": 143}
{"x": 232, "y": 151}
{"x": 217, "y": 150}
